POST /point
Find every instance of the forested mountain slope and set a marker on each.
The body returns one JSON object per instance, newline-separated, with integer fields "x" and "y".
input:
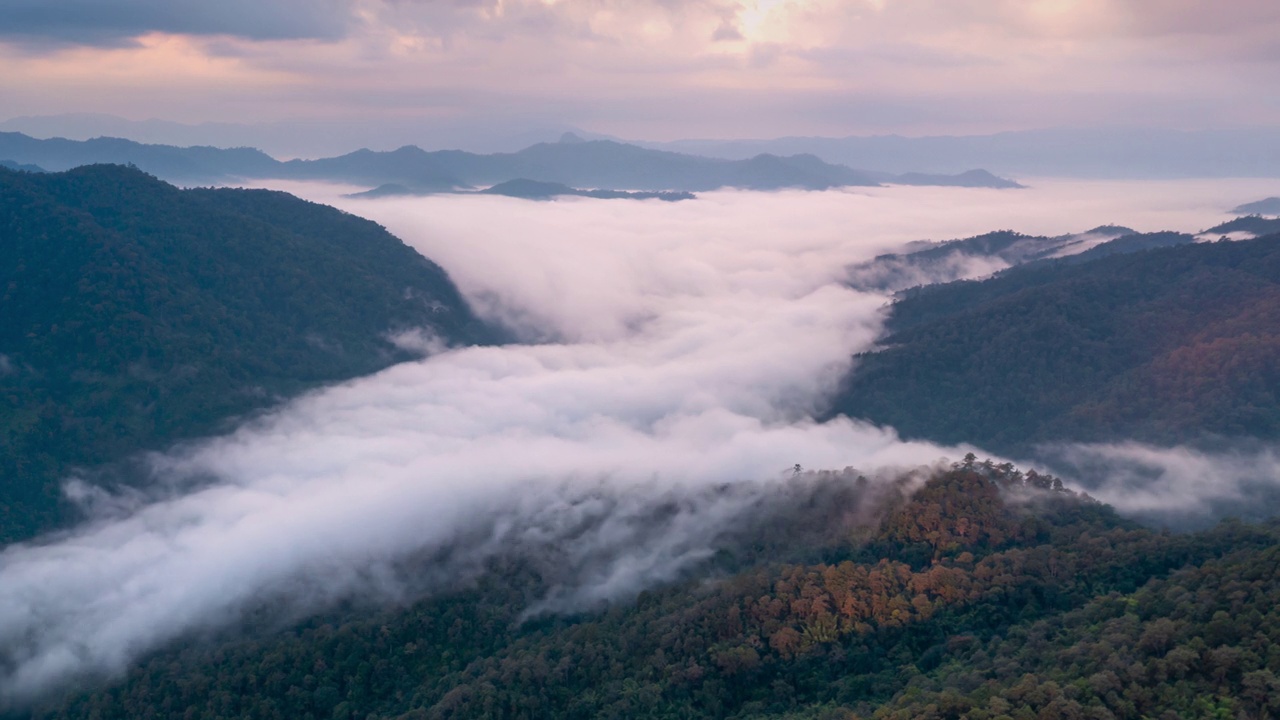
{"x": 133, "y": 314}
{"x": 1171, "y": 345}
{"x": 936, "y": 609}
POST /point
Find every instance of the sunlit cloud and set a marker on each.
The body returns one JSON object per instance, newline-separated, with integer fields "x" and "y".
{"x": 659, "y": 69}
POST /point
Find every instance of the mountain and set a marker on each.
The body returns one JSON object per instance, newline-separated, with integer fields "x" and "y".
{"x": 137, "y": 314}
{"x": 11, "y": 165}
{"x": 1248, "y": 226}
{"x": 969, "y": 178}
{"x": 187, "y": 165}
{"x": 930, "y": 262}
{"x": 1175, "y": 344}
{"x": 598, "y": 164}
{"x": 411, "y": 166}
{"x": 1269, "y": 206}
{"x": 535, "y": 190}
{"x": 1104, "y": 152}
{"x": 985, "y": 593}
{"x": 309, "y": 137}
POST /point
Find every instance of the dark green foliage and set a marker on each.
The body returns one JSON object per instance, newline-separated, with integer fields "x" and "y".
{"x": 982, "y": 579}
{"x": 1169, "y": 345}
{"x": 1250, "y": 224}
{"x": 135, "y": 314}
{"x": 1202, "y": 643}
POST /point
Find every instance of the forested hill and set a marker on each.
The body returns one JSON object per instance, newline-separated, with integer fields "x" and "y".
{"x": 986, "y": 595}
{"x": 135, "y": 314}
{"x": 1171, "y": 345}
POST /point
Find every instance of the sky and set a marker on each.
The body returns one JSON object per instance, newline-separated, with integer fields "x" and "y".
{"x": 650, "y": 69}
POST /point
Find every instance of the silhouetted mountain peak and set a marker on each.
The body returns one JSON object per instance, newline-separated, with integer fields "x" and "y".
{"x": 1269, "y": 206}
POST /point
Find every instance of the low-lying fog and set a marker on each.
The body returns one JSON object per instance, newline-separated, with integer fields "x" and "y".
{"x": 674, "y": 348}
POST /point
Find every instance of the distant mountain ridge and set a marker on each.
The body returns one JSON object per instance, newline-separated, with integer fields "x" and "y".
{"x": 525, "y": 189}
{"x": 11, "y": 165}
{"x": 969, "y": 178}
{"x": 1093, "y": 152}
{"x": 594, "y": 164}
{"x": 1268, "y": 206}
{"x": 1099, "y": 152}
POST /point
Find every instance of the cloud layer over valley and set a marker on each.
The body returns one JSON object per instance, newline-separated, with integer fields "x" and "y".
{"x": 676, "y": 352}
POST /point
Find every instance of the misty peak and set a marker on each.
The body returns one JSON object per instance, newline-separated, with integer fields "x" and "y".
{"x": 571, "y": 138}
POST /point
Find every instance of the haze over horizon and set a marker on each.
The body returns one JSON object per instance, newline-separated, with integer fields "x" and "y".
{"x": 483, "y": 73}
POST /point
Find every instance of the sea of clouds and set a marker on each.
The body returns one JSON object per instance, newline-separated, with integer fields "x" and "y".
{"x": 674, "y": 354}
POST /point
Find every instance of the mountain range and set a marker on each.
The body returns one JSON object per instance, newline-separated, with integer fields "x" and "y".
{"x": 598, "y": 164}
{"x": 1099, "y": 152}
{"x": 1104, "y": 152}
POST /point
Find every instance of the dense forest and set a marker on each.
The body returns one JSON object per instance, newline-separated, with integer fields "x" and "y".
{"x": 1168, "y": 345}
{"x": 136, "y": 314}
{"x": 985, "y": 593}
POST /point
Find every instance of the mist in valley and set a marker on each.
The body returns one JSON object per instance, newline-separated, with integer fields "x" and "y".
{"x": 673, "y": 356}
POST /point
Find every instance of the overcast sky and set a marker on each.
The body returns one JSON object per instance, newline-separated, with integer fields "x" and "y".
{"x": 652, "y": 69}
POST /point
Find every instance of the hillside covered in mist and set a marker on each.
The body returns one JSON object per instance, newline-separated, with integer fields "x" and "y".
{"x": 136, "y": 314}
{"x": 983, "y": 593}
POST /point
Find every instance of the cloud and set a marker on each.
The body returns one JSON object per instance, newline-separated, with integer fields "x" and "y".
{"x": 118, "y": 22}
{"x": 652, "y": 69}
{"x": 1176, "y": 486}
{"x": 1190, "y": 17}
